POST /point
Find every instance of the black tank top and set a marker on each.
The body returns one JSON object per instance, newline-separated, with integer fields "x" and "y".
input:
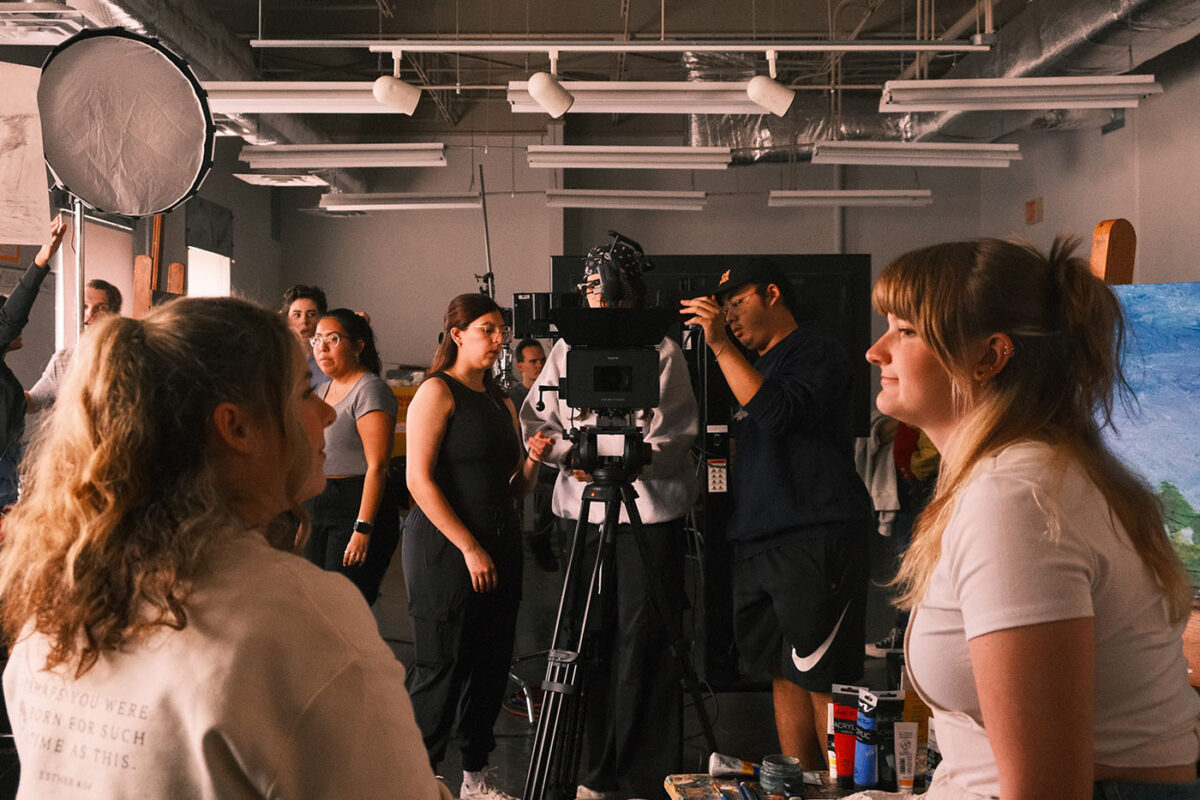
{"x": 479, "y": 452}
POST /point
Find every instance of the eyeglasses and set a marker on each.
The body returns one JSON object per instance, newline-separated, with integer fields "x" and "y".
{"x": 489, "y": 330}
{"x": 589, "y": 286}
{"x": 736, "y": 305}
{"x": 330, "y": 339}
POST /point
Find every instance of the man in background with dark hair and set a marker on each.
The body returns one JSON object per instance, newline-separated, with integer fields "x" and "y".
{"x": 99, "y": 298}
{"x": 801, "y": 516}
{"x": 303, "y": 307}
{"x": 529, "y": 357}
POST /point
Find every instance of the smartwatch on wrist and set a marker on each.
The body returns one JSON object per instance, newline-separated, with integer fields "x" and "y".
{"x": 364, "y": 527}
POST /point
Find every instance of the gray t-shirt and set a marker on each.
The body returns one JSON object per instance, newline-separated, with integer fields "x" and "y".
{"x": 343, "y": 447}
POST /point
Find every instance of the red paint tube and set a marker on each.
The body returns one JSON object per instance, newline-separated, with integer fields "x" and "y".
{"x": 845, "y": 739}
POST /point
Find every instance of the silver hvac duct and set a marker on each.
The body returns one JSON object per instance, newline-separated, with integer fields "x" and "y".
{"x": 1071, "y": 37}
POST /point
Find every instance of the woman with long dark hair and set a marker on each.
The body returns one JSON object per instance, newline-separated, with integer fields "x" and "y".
{"x": 163, "y": 647}
{"x": 356, "y": 522}
{"x": 462, "y": 540}
{"x": 1047, "y": 601}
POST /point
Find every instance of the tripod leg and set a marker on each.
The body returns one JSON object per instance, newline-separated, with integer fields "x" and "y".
{"x": 677, "y": 647}
{"x": 556, "y": 747}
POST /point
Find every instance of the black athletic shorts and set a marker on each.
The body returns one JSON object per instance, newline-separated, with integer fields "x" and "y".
{"x": 800, "y": 608}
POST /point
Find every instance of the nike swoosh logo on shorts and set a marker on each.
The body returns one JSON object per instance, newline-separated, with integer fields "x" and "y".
{"x": 808, "y": 662}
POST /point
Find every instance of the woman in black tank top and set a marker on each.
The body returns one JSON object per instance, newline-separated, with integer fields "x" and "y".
{"x": 462, "y": 545}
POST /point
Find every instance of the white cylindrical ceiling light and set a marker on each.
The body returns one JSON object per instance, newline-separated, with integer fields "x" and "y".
{"x": 770, "y": 94}
{"x": 396, "y": 93}
{"x": 548, "y": 93}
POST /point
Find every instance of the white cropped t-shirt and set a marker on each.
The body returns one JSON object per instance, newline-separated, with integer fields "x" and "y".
{"x": 1002, "y": 566}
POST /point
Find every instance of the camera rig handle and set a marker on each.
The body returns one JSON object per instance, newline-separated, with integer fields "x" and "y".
{"x": 541, "y": 403}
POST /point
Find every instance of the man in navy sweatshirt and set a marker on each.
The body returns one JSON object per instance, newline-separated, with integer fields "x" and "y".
{"x": 802, "y": 516}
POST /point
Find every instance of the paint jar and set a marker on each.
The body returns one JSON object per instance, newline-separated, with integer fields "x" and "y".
{"x": 781, "y": 774}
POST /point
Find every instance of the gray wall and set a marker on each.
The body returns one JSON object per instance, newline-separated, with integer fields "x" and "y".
{"x": 403, "y": 267}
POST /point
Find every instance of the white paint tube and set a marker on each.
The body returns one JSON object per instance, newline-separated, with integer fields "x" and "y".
{"x": 831, "y": 754}
{"x": 906, "y": 755}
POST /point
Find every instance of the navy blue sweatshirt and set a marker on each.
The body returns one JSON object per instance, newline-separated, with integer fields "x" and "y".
{"x": 13, "y": 316}
{"x": 793, "y": 469}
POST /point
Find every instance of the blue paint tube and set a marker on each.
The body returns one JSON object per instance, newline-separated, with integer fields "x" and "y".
{"x": 866, "y": 749}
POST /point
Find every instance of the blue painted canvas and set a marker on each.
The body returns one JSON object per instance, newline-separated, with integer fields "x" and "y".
{"x": 1160, "y": 437}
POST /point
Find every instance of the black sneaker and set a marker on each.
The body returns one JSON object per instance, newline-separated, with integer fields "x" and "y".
{"x": 543, "y": 552}
{"x": 893, "y": 642}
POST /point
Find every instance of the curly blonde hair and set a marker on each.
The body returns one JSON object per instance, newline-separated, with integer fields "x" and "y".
{"x": 1059, "y": 387}
{"x": 122, "y": 497}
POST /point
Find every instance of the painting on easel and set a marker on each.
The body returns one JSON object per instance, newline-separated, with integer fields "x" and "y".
{"x": 1160, "y": 436}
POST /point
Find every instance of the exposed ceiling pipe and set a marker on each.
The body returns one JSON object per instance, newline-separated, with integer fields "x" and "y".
{"x": 213, "y": 53}
{"x": 963, "y": 24}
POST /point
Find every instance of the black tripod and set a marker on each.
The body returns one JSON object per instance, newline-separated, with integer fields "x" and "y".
{"x": 558, "y": 740}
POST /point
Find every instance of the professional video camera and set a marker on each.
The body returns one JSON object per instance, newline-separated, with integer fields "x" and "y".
{"x": 612, "y": 369}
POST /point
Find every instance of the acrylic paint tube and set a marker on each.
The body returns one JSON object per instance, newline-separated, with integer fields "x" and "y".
{"x": 719, "y": 764}
{"x": 866, "y": 746}
{"x": 933, "y": 755}
{"x": 906, "y": 755}
{"x": 845, "y": 718}
{"x": 916, "y": 711}
{"x": 830, "y": 749}
{"x": 889, "y": 709}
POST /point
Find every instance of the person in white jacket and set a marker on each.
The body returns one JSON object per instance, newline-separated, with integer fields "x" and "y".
{"x": 161, "y": 645}
{"x": 633, "y": 731}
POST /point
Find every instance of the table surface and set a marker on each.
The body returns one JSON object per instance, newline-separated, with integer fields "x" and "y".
{"x": 701, "y": 786}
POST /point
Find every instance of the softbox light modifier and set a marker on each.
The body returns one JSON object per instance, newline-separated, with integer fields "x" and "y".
{"x": 125, "y": 124}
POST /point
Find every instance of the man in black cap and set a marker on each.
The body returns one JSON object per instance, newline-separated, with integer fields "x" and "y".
{"x": 801, "y": 516}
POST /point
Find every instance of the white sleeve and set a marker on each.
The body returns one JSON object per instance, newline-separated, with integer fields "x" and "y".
{"x": 45, "y": 390}
{"x": 550, "y": 420}
{"x": 675, "y": 423}
{"x": 1013, "y": 560}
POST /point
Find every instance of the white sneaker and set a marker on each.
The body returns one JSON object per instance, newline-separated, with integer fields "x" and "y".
{"x": 479, "y": 786}
{"x": 584, "y": 793}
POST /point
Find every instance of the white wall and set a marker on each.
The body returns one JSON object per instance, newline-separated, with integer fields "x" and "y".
{"x": 1147, "y": 172}
{"x": 403, "y": 267}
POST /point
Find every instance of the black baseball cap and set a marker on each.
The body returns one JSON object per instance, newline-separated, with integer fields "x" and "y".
{"x": 757, "y": 271}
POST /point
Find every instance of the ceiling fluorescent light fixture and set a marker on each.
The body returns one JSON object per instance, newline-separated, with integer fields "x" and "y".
{"x": 398, "y": 201}
{"x": 643, "y": 97}
{"x": 627, "y": 157}
{"x": 280, "y": 180}
{"x": 620, "y": 198}
{"x": 995, "y": 94}
{"x": 294, "y": 97}
{"x": 915, "y": 154}
{"x": 330, "y": 156}
{"x": 850, "y": 197}
{"x": 644, "y": 46}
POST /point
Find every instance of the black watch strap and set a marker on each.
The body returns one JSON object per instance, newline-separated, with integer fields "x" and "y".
{"x": 364, "y": 527}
